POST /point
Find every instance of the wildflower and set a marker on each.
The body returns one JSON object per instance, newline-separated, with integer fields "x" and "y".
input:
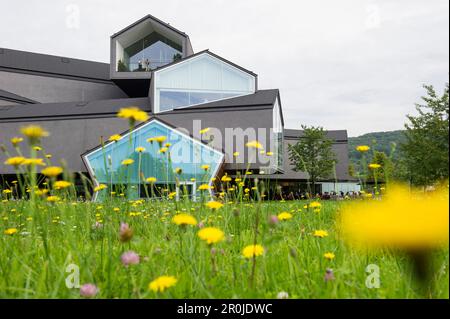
{"x": 204, "y": 187}
{"x": 214, "y": 204}
{"x": 10, "y": 231}
{"x": 53, "y": 199}
{"x": 125, "y": 232}
{"x": 33, "y": 132}
{"x": 151, "y": 180}
{"x": 16, "y": 141}
{"x": 315, "y": 205}
{"x": 251, "y": 251}
{"x": 205, "y": 130}
{"x": 178, "y": 170}
{"x": 362, "y": 148}
{"x": 226, "y": 179}
{"x": 320, "y": 233}
{"x": 329, "y": 275}
{"x": 172, "y": 195}
{"x": 114, "y": 138}
{"x": 269, "y": 153}
{"x": 161, "y": 139}
{"x": 282, "y": 295}
{"x": 140, "y": 149}
{"x": 236, "y": 154}
{"x": 129, "y": 258}
{"x": 184, "y": 219}
{"x": 205, "y": 167}
{"x": 100, "y": 187}
{"x": 254, "y": 144}
{"x": 168, "y": 145}
{"x": 127, "y": 162}
{"x": 88, "y": 290}
{"x": 163, "y": 150}
{"x": 133, "y": 114}
{"x": 15, "y": 161}
{"x": 62, "y": 184}
{"x": 33, "y": 161}
{"x": 374, "y": 166}
{"x": 211, "y": 235}
{"x": 400, "y": 220}
{"x": 284, "y": 216}
{"x": 162, "y": 283}
{"x": 329, "y": 256}
{"x": 40, "y": 192}
{"x": 52, "y": 171}
{"x": 48, "y": 156}
{"x": 37, "y": 148}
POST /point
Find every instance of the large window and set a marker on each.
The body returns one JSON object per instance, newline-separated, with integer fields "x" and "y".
{"x": 158, "y": 160}
{"x": 277, "y": 138}
{"x": 149, "y": 53}
{"x": 199, "y": 80}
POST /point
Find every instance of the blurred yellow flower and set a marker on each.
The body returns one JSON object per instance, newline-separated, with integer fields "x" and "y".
{"x": 52, "y": 171}
{"x": 214, "y": 205}
{"x": 284, "y": 216}
{"x": 401, "y": 219}
{"x": 211, "y": 235}
{"x": 204, "y": 187}
{"x": 374, "y": 166}
{"x": 205, "y": 130}
{"x": 16, "y": 141}
{"x": 236, "y": 154}
{"x": 53, "y": 199}
{"x": 114, "y": 138}
{"x": 162, "y": 283}
{"x": 320, "y": 233}
{"x": 205, "y": 167}
{"x": 151, "y": 180}
{"x": 269, "y": 153}
{"x": 33, "y": 132}
{"x": 226, "y": 178}
{"x": 163, "y": 150}
{"x": 251, "y": 251}
{"x": 140, "y": 149}
{"x": 178, "y": 170}
{"x": 127, "y": 162}
{"x": 37, "y": 148}
{"x": 15, "y": 161}
{"x": 184, "y": 219}
{"x": 10, "y": 231}
{"x": 133, "y": 114}
{"x": 100, "y": 187}
{"x": 362, "y": 148}
{"x": 315, "y": 205}
{"x": 329, "y": 256}
{"x": 62, "y": 184}
{"x": 34, "y": 161}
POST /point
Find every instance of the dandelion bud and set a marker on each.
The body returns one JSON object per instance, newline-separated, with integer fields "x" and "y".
{"x": 88, "y": 290}
{"x": 129, "y": 258}
{"x": 282, "y": 295}
{"x": 125, "y": 232}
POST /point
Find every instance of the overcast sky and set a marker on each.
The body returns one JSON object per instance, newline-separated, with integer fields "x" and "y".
{"x": 341, "y": 64}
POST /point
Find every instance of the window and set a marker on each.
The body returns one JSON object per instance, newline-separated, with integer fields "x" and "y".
{"x": 149, "y": 53}
{"x": 199, "y": 80}
{"x": 105, "y": 164}
{"x": 277, "y": 137}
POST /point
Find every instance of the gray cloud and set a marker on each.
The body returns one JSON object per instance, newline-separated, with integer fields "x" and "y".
{"x": 354, "y": 64}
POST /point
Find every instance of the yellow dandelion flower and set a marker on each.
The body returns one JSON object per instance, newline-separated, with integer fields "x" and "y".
{"x": 178, "y": 170}
{"x": 53, "y": 199}
{"x": 226, "y": 179}
{"x": 254, "y": 144}
{"x": 184, "y": 219}
{"x": 205, "y": 130}
{"x": 133, "y": 114}
{"x": 114, "y": 138}
{"x": 204, "y": 187}
{"x": 62, "y": 184}
{"x": 162, "y": 283}
{"x": 236, "y": 154}
{"x": 214, "y": 204}
{"x": 205, "y": 167}
{"x": 163, "y": 150}
{"x": 362, "y": 148}
{"x": 284, "y": 216}
{"x": 52, "y": 171}
{"x": 315, "y": 205}
{"x": 16, "y": 141}
{"x": 374, "y": 166}
{"x": 140, "y": 149}
{"x": 100, "y": 187}
{"x": 33, "y": 132}
{"x": 15, "y": 161}
{"x": 151, "y": 180}
{"x": 34, "y": 161}
{"x": 211, "y": 235}
{"x": 10, "y": 231}
{"x": 329, "y": 256}
{"x": 37, "y": 148}
{"x": 251, "y": 251}
{"x": 269, "y": 153}
{"x": 127, "y": 162}
{"x": 320, "y": 233}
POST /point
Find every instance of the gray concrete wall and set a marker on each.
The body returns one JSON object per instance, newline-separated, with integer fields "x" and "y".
{"x": 46, "y": 89}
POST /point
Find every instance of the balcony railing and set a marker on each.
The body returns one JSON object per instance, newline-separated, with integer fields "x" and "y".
{"x": 141, "y": 67}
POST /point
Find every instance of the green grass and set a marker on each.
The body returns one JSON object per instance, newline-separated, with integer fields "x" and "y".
{"x": 33, "y": 261}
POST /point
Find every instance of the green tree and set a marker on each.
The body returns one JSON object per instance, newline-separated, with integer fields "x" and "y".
{"x": 426, "y": 146}
{"x": 313, "y": 154}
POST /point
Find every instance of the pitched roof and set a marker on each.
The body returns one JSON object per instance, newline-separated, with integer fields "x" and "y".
{"x": 36, "y": 63}
{"x": 149, "y": 17}
{"x": 9, "y": 96}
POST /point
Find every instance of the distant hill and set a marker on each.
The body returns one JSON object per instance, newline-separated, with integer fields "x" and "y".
{"x": 379, "y": 141}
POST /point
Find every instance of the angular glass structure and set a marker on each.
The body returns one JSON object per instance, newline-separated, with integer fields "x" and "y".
{"x": 200, "y": 79}
{"x": 157, "y": 150}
